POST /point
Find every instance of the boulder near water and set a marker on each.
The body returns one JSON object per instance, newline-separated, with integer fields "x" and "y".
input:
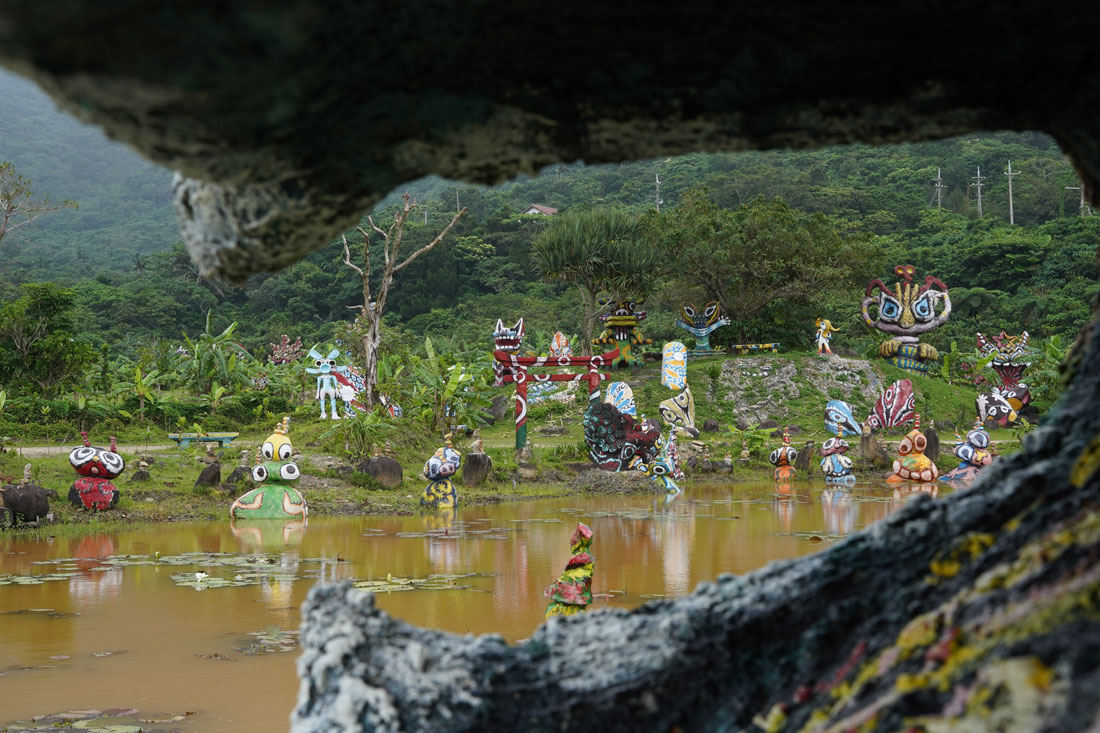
{"x": 385, "y": 470}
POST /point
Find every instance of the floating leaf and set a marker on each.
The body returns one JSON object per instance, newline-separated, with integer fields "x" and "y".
{"x": 438, "y": 581}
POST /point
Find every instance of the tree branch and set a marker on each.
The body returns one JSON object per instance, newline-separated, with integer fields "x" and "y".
{"x": 434, "y": 242}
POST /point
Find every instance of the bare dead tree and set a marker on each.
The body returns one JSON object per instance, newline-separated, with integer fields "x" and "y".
{"x": 17, "y": 209}
{"x": 372, "y": 310}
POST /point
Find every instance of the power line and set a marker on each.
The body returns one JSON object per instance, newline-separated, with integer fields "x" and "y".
{"x": 1083, "y": 208}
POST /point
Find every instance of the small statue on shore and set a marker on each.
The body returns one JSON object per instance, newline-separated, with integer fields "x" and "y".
{"x": 783, "y": 459}
{"x": 96, "y": 466}
{"x": 825, "y": 331}
{"x": 836, "y": 466}
{"x": 701, "y": 324}
{"x": 841, "y": 419}
{"x": 274, "y": 475}
{"x": 621, "y": 330}
{"x": 913, "y": 465}
{"x": 571, "y": 593}
{"x": 894, "y": 407}
{"x": 440, "y": 492}
{"x": 974, "y": 454}
{"x": 905, "y": 313}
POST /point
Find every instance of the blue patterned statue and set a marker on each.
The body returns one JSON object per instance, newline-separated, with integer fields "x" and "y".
{"x": 836, "y": 466}
{"x": 701, "y": 325}
{"x": 905, "y": 313}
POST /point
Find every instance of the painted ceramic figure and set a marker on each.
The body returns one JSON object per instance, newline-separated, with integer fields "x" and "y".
{"x": 571, "y": 593}
{"x": 1010, "y": 357}
{"x": 621, "y": 330}
{"x": 783, "y": 459}
{"x": 825, "y": 331}
{"x": 913, "y": 465}
{"x": 836, "y": 466}
{"x": 973, "y": 453}
{"x": 701, "y": 324}
{"x": 275, "y": 476}
{"x": 327, "y": 384}
{"x": 994, "y": 406}
{"x": 894, "y": 407}
{"x": 839, "y": 416}
{"x": 560, "y": 346}
{"x": 96, "y": 466}
{"x": 674, "y": 365}
{"x": 905, "y": 313}
{"x": 621, "y": 396}
{"x": 440, "y": 492}
{"x": 678, "y": 412}
{"x": 665, "y": 469}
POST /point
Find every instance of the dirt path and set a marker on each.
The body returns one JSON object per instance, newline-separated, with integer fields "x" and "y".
{"x": 60, "y": 450}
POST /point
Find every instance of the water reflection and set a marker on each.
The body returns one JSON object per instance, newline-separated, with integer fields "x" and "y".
{"x": 644, "y": 546}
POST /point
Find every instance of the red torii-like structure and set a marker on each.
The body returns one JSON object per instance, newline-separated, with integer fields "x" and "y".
{"x": 513, "y": 369}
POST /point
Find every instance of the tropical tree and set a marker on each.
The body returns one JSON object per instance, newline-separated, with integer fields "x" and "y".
{"x": 373, "y": 308}
{"x": 212, "y": 358}
{"x": 17, "y": 205}
{"x": 41, "y": 349}
{"x": 596, "y": 250}
{"x": 762, "y": 252}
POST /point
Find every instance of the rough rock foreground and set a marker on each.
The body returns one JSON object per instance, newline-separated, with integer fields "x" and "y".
{"x": 288, "y": 120}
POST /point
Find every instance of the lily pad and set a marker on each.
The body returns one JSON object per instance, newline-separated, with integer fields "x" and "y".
{"x": 437, "y": 581}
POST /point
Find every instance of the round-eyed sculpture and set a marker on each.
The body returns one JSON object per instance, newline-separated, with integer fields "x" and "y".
{"x": 906, "y": 312}
{"x": 275, "y": 476}
{"x": 912, "y": 464}
{"x": 96, "y": 466}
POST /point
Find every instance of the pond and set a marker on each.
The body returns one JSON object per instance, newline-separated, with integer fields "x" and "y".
{"x": 122, "y": 621}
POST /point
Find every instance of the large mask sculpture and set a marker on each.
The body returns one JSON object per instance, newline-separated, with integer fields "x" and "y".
{"x": 894, "y": 407}
{"x": 913, "y": 465}
{"x": 783, "y": 459}
{"x": 440, "y": 492}
{"x": 275, "y": 476}
{"x": 1009, "y": 360}
{"x": 907, "y": 312}
{"x": 973, "y": 453}
{"x": 327, "y": 384}
{"x": 571, "y": 593}
{"x": 621, "y": 330}
{"x": 701, "y": 324}
{"x": 840, "y": 419}
{"x": 96, "y": 466}
{"x": 678, "y": 412}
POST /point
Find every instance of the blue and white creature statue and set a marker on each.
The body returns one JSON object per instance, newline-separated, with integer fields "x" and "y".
{"x": 674, "y": 365}
{"x": 327, "y": 385}
{"x": 621, "y": 397}
{"x": 836, "y": 466}
{"x": 840, "y": 419}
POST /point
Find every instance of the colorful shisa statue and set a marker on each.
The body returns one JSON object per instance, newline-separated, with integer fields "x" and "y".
{"x": 836, "y": 466}
{"x": 841, "y": 419}
{"x": 913, "y": 465}
{"x": 571, "y": 593}
{"x": 560, "y": 346}
{"x": 973, "y": 453}
{"x": 327, "y": 384}
{"x": 440, "y": 492}
{"x": 905, "y": 313}
{"x": 825, "y": 331}
{"x": 894, "y": 407}
{"x": 701, "y": 324}
{"x": 1010, "y": 357}
{"x": 783, "y": 459}
{"x": 275, "y": 475}
{"x": 621, "y": 330}
{"x": 96, "y": 466}
{"x": 618, "y": 440}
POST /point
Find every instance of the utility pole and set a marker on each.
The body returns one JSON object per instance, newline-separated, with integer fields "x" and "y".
{"x": 1010, "y": 173}
{"x": 458, "y": 206}
{"x": 979, "y": 178}
{"x": 938, "y": 180}
{"x": 1083, "y": 208}
{"x": 657, "y": 195}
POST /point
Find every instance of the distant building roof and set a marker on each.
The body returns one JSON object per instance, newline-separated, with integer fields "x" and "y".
{"x": 540, "y": 209}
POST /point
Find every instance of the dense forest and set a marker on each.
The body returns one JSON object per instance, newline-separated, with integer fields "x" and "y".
{"x": 124, "y": 291}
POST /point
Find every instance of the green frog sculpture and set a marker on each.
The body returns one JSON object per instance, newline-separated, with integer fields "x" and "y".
{"x": 275, "y": 475}
{"x": 571, "y": 593}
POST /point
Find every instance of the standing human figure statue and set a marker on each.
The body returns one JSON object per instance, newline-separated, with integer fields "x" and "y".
{"x": 326, "y": 379}
{"x": 825, "y": 331}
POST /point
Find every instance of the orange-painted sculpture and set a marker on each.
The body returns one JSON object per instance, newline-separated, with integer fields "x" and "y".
{"x": 571, "y": 593}
{"x": 913, "y": 465}
{"x": 783, "y": 459}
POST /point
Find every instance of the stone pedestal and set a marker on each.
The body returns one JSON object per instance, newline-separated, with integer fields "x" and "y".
{"x": 475, "y": 469}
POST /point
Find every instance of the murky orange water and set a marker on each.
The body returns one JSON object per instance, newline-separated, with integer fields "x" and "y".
{"x": 156, "y": 630}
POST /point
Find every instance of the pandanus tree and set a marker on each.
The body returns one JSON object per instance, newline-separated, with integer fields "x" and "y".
{"x": 595, "y": 251}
